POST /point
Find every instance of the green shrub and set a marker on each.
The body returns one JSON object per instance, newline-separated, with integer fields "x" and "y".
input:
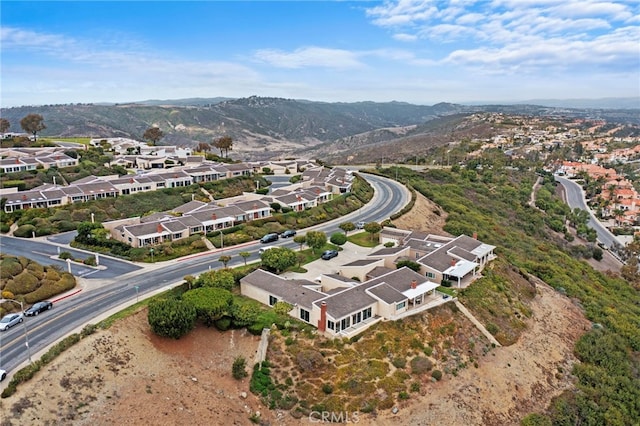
{"x": 327, "y": 388}
{"x": 223, "y": 324}
{"x": 436, "y": 374}
{"x": 492, "y": 328}
{"x": 171, "y": 318}
{"x": 24, "y": 231}
{"x": 420, "y": 365}
{"x": 399, "y": 362}
{"x": 238, "y": 370}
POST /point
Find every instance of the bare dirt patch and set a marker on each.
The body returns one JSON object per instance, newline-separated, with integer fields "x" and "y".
{"x": 128, "y": 376}
{"x": 425, "y": 216}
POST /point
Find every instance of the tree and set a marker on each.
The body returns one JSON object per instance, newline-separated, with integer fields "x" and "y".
{"x": 203, "y": 147}
{"x": 33, "y": 123}
{"x": 300, "y": 240}
{"x": 244, "y": 255}
{"x": 210, "y": 303}
{"x": 224, "y": 144}
{"x": 278, "y": 259}
{"x": 90, "y": 233}
{"x": 316, "y": 240}
{"x": 347, "y": 227}
{"x": 153, "y": 134}
{"x": 224, "y": 259}
{"x": 4, "y": 125}
{"x": 409, "y": 264}
{"x": 222, "y": 278}
{"x": 282, "y": 308}
{"x": 244, "y": 314}
{"x": 338, "y": 238}
{"x": 372, "y": 228}
{"x": 171, "y": 318}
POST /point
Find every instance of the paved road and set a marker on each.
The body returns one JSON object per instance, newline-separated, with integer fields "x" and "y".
{"x": 575, "y": 198}
{"x": 118, "y": 283}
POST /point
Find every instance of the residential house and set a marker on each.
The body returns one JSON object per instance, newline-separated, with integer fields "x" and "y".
{"x": 345, "y": 308}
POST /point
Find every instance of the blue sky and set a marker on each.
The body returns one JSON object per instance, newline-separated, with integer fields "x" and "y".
{"x": 417, "y": 51}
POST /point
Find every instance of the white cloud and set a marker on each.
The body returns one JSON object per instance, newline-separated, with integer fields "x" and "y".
{"x": 405, "y": 37}
{"x": 503, "y": 35}
{"x": 309, "y": 57}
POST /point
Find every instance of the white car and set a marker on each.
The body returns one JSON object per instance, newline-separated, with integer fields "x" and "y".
{"x": 263, "y": 249}
{"x": 360, "y": 225}
{"x": 3, "y": 374}
{"x": 10, "y": 320}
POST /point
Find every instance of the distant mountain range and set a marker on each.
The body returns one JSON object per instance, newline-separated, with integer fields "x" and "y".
{"x": 272, "y": 127}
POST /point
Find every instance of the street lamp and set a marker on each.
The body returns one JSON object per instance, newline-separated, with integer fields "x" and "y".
{"x": 221, "y": 241}
{"x": 26, "y": 334}
{"x": 151, "y": 251}
{"x": 136, "y": 287}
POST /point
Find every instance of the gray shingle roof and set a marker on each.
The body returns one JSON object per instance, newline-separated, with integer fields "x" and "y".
{"x": 290, "y": 291}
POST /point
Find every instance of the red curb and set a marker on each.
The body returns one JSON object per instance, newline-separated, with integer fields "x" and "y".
{"x": 64, "y": 297}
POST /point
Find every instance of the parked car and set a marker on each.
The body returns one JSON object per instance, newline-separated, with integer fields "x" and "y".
{"x": 10, "y": 320}
{"x": 329, "y": 254}
{"x": 3, "y": 374}
{"x": 288, "y": 233}
{"x": 38, "y": 307}
{"x": 360, "y": 225}
{"x": 269, "y": 238}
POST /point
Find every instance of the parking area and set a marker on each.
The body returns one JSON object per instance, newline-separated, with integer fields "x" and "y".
{"x": 349, "y": 253}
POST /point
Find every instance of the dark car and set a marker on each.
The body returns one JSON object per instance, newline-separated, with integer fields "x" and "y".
{"x": 329, "y": 254}
{"x": 269, "y": 238}
{"x": 34, "y": 310}
{"x": 288, "y": 233}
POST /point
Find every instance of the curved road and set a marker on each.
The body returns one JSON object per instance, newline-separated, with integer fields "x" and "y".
{"x": 116, "y": 283}
{"x": 575, "y": 198}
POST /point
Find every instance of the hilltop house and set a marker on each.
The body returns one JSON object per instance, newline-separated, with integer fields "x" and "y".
{"x": 346, "y": 307}
{"x": 373, "y": 289}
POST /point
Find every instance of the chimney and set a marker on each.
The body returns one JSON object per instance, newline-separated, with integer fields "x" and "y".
{"x": 453, "y": 262}
{"x": 159, "y": 229}
{"x": 322, "y": 322}
{"x": 475, "y": 235}
{"x": 213, "y": 216}
{"x": 17, "y": 160}
{"x": 414, "y": 284}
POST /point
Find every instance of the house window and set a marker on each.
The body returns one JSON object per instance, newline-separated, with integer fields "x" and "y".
{"x": 345, "y": 323}
{"x": 272, "y": 300}
{"x": 366, "y": 314}
{"x": 431, "y": 275}
{"x": 331, "y": 325}
{"x": 401, "y": 305}
{"x": 304, "y": 315}
{"x": 356, "y": 318}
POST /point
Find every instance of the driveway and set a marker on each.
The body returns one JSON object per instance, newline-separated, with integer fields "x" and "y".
{"x": 349, "y": 253}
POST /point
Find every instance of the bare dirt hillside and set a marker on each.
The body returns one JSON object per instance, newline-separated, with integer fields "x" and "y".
{"x": 425, "y": 216}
